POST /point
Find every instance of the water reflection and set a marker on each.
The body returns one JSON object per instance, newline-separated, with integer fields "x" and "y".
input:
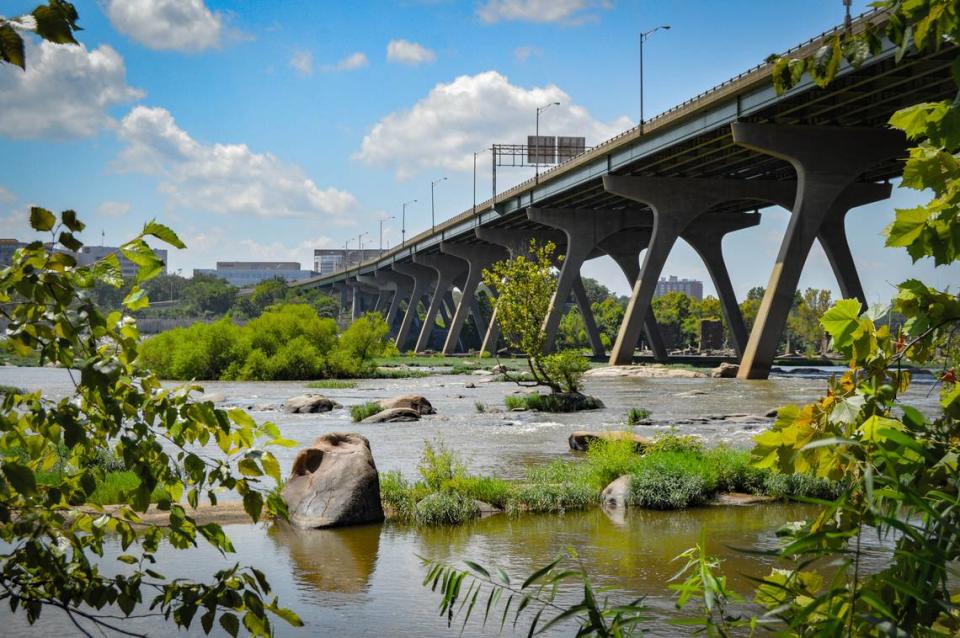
{"x": 330, "y": 560}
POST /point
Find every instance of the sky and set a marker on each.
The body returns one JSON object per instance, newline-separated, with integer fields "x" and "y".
{"x": 260, "y": 130}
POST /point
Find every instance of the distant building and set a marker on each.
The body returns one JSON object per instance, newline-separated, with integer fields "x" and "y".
{"x": 7, "y": 248}
{"x": 328, "y": 260}
{"x": 245, "y": 274}
{"x": 86, "y": 256}
{"x": 690, "y": 287}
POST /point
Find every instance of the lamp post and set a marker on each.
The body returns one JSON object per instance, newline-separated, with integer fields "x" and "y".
{"x": 403, "y": 222}
{"x": 381, "y": 230}
{"x": 540, "y": 109}
{"x": 179, "y": 270}
{"x": 643, "y": 38}
{"x": 360, "y": 246}
{"x": 433, "y": 218}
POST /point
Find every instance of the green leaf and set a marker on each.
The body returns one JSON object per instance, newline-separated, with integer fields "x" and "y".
{"x": 230, "y": 623}
{"x": 69, "y": 218}
{"x": 253, "y": 505}
{"x": 136, "y": 299}
{"x": 56, "y": 22}
{"x": 271, "y": 466}
{"x": 840, "y": 321}
{"x": 11, "y": 46}
{"x": 163, "y": 233}
{"x": 67, "y": 240}
{"x": 20, "y": 477}
{"x": 108, "y": 271}
{"x": 41, "y": 219}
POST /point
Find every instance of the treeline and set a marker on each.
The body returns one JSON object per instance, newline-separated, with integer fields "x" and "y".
{"x": 286, "y": 342}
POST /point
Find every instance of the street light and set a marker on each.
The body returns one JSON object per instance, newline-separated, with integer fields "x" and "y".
{"x": 403, "y": 222}
{"x": 433, "y": 219}
{"x": 540, "y": 109}
{"x": 475, "y": 153}
{"x": 643, "y": 38}
{"x": 381, "y": 229}
{"x": 360, "y": 246}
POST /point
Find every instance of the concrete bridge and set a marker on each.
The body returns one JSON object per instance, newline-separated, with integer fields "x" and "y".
{"x": 698, "y": 172}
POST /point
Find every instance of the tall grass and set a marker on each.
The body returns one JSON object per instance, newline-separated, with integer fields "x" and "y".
{"x": 360, "y": 412}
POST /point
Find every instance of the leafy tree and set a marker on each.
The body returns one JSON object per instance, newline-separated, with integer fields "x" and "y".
{"x": 596, "y": 291}
{"x": 209, "y": 295}
{"x": 804, "y": 320}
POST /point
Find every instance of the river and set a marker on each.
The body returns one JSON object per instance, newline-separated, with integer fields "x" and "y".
{"x": 365, "y": 581}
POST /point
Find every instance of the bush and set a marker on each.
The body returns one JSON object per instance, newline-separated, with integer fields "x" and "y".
{"x": 439, "y": 465}
{"x": 488, "y": 489}
{"x": 636, "y": 415}
{"x": 801, "y": 486}
{"x": 332, "y": 384}
{"x": 480, "y": 406}
{"x": 553, "y": 497}
{"x": 552, "y": 402}
{"x": 360, "y": 412}
{"x": 608, "y": 460}
{"x": 396, "y": 495}
{"x": 446, "y": 508}
{"x": 565, "y": 368}
{"x": 667, "y": 487}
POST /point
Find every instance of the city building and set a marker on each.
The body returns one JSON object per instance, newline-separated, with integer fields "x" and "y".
{"x": 328, "y": 260}
{"x": 245, "y": 274}
{"x": 690, "y": 287}
{"x": 7, "y": 248}
{"x": 90, "y": 254}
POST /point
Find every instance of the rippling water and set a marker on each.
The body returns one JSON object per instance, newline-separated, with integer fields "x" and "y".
{"x": 363, "y": 581}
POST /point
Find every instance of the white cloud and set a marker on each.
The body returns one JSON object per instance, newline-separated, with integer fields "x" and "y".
{"x": 302, "y": 61}
{"x": 7, "y": 196}
{"x": 524, "y": 53}
{"x": 444, "y": 128}
{"x": 563, "y": 11}
{"x": 223, "y": 178}
{"x": 179, "y": 25}
{"x": 211, "y": 245}
{"x": 406, "y": 52}
{"x": 112, "y": 208}
{"x": 65, "y": 92}
{"x": 352, "y": 62}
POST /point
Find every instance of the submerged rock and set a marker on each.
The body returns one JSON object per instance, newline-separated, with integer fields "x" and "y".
{"x": 725, "y": 371}
{"x": 616, "y": 494}
{"x": 333, "y": 483}
{"x": 653, "y": 371}
{"x": 310, "y": 403}
{"x": 739, "y": 498}
{"x": 580, "y": 440}
{"x": 393, "y": 415}
{"x": 414, "y": 402}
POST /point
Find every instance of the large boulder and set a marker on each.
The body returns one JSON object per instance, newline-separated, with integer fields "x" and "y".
{"x": 725, "y": 371}
{"x": 581, "y": 440}
{"x": 393, "y": 415}
{"x": 617, "y": 493}
{"x": 651, "y": 371}
{"x": 334, "y": 483}
{"x": 410, "y": 401}
{"x": 310, "y": 403}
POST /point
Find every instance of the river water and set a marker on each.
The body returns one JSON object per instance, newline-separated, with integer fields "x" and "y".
{"x": 365, "y": 581}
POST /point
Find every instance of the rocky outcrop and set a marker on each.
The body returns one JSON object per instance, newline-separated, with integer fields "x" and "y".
{"x": 725, "y": 371}
{"x": 393, "y": 415}
{"x": 499, "y": 369}
{"x": 414, "y": 402}
{"x": 334, "y": 483}
{"x": 310, "y": 403}
{"x": 580, "y": 440}
{"x": 739, "y": 498}
{"x": 653, "y": 371}
{"x": 616, "y": 494}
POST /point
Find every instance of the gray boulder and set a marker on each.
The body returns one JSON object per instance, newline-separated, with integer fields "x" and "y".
{"x": 410, "y": 401}
{"x": 725, "y": 371}
{"x": 310, "y": 403}
{"x": 334, "y": 483}
{"x": 393, "y": 415}
{"x": 617, "y": 493}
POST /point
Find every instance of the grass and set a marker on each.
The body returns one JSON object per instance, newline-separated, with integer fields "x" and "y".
{"x": 480, "y": 406}
{"x": 636, "y": 415}
{"x": 398, "y": 373}
{"x": 360, "y": 412}
{"x": 445, "y": 508}
{"x": 551, "y": 402}
{"x": 333, "y": 384}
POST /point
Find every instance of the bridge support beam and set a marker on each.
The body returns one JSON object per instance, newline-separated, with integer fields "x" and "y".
{"x": 827, "y": 161}
{"x": 448, "y": 269}
{"x": 403, "y": 286}
{"x": 422, "y": 281}
{"x": 477, "y": 257}
{"x": 676, "y": 202}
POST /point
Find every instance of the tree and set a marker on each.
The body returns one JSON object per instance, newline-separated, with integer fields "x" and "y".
{"x": 804, "y": 320}
{"x": 209, "y": 295}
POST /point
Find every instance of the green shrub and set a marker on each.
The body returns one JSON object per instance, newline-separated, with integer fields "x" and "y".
{"x": 666, "y": 487}
{"x": 636, "y": 415}
{"x": 608, "y": 460}
{"x": 480, "y": 406}
{"x": 515, "y": 402}
{"x": 446, "y": 508}
{"x": 397, "y": 496}
{"x": 565, "y": 368}
{"x": 551, "y": 402}
{"x": 332, "y": 384}
{"x": 733, "y": 472}
{"x": 801, "y": 486}
{"x": 360, "y": 412}
{"x": 438, "y": 465}
{"x": 552, "y": 497}
{"x": 673, "y": 442}
{"x": 488, "y": 489}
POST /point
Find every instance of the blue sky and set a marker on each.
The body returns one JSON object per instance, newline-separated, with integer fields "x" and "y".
{"x": 261, "y": 130}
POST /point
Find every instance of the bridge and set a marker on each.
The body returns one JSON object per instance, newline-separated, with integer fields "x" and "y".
{"x": 697, "y": 172}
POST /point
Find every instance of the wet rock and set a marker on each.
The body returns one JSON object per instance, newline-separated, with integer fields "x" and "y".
{"x": 499, "y": 369}
{"x": 645, "y": 372}
{"x": 213, "y": 397}
{"x": 486, "y": 509}
{"x": 482, "y": 373}
{"x": 580, "y": 440}
{"x": 310, "y": 403}
{"x": 616, "y": 494}
{"x": 393, "y": 415}
{"x": 725, "y": 371}
{"x": 739, "y": 498}
{"x": 772, "y": 414}
{"x": 414, "y": 402}
{"x": 690, "y": 393}
{"x": 470, "y": 385}
{"x": 334, "y": 482}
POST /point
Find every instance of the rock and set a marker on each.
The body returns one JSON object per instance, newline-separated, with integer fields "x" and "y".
{"x": 690, "y": 393}
{"x": 310, "y": 403}
{"x": 615, "y": 495}
{"x": 738, "y": 498}
{"x": 410, "y": 401}
{"x": 482, "y": 373}
{"x": 213, "y": 397}
{"x": 499, "y": 369}
{"x": 486, "y": 509}
{"x": 581, "y": 440}
{"x": 652, "y": 371}
{"x": 725, "y": 371}
{"x": 470, "y": 385}
{"x": 333, "y": 483}
{"x": 772, "y": 414}
{"x": 393, "y": 415}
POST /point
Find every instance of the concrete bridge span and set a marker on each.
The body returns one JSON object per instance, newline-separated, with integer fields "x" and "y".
{"x": 696, "y": 172}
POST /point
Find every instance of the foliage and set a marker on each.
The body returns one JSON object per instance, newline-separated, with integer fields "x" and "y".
{"x": 445, "y": 508}
{"x": 552, "y": 497}
{"x": 566, "y": 368}
{"x": 438, "y": 465}
{"x": 362, "y": 411}
{"x": 572, "y": 402}
{"x": 480, "y": 406}
{"x": 333, "y": 384}
{"x": 488, "y": 489}
{"x": 54, "y": 531}
{"x": 364, "y": 340}
{"x": 397, "y": 496}
{"x": 667, "y": 482}
{"x": 635, "y": 416}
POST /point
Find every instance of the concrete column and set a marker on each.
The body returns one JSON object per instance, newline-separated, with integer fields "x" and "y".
{"x": 625, "y": 248}
{"x": 676, "y": 202}
{"x": 478, "y": 257}
{"x": 422, "y": 280}
{"x": 403, "y": 287}
{"x": 372, "y": 286}
{"x": 827, "y": 161}
{"x": 706, "y": 235}
{"x": 589, "y": 322}
{"x": 447, "y": 269}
